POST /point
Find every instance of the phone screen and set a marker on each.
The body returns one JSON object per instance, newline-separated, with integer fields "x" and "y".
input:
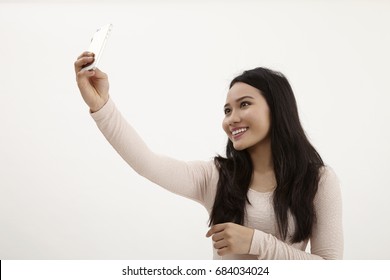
{"x": 97, "y": 45}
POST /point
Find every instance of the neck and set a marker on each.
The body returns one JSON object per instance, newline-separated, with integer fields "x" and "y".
{"x": 261, "y": 156}
{"x": 263, "y": 177}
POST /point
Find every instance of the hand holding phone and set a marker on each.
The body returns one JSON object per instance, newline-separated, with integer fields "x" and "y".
{"x": 98, "y": 42}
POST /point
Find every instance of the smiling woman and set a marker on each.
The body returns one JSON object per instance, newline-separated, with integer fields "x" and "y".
{"x": 268, "y": 197}
{"x": 269, "y": 158}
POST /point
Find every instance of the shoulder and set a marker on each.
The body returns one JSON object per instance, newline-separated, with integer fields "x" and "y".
{"x": 329, "y": 184}
{"x": 327, "y": 175}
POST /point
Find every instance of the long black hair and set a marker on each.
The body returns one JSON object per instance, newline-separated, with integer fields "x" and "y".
{"x": 296, "y": 162}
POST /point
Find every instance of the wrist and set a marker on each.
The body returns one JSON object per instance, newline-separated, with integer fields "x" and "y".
{"x": 94, "y": 109}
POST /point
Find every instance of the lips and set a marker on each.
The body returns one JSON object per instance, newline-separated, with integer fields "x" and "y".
{"x": 237, "y": 132}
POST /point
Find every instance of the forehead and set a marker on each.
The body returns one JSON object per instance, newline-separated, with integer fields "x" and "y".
{"x": 239, "y": 90}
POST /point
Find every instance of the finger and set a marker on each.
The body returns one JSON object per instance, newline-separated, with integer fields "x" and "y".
{"x": 86, "y": 53}
{"x": 223, "y": 251}
{"x": 214, "y": 229}
{"x": 81, "y": 75}
{"x": 218, "y": 236}
{"x": 220, "y": 244}
{"x": 82, "y": 62}
{"x": 99, "y": 75}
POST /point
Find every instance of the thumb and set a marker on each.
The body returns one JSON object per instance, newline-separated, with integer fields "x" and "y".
{"x": 99, "y": 74}
{"x": 215, "y": 228}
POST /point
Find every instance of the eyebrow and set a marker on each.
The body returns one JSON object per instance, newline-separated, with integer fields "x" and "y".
{"x": 238, "y": 100}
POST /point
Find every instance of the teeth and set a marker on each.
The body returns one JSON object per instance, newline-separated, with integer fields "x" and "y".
{"x": 235, "y": 132}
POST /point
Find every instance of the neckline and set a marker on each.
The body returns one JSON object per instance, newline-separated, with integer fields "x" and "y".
{"x": 264, "y": 193}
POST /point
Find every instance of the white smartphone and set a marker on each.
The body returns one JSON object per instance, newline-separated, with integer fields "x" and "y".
{"x": 98, "y": 42}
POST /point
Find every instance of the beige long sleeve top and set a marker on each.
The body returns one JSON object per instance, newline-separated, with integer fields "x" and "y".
{"x": 197, "y": 180}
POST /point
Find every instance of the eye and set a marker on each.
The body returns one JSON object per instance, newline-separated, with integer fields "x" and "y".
{"x": 245, "y": 104}
{"x": 227, "y": 111}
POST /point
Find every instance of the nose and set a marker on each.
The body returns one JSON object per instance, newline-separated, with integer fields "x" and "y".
{"x": 234, "y": 118}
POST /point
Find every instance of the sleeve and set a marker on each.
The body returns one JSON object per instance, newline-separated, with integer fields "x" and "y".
{"x": 188, "y": 179}
{"x": 327, "y": 237}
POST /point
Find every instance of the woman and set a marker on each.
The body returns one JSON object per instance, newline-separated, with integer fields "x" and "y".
{"x": 269, "y": 197}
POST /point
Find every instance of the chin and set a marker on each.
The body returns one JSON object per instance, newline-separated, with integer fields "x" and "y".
{"x": 239, "y": 147}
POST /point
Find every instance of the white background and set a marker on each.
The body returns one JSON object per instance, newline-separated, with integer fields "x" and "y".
{"x": 66, "y": 194}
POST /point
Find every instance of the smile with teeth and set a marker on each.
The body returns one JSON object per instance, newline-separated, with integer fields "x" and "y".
{"x": 238, "y": 131}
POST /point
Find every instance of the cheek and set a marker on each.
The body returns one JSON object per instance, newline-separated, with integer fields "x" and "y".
{"x": 259, "y": 123}
{"x": 267, "y": 120}
{"x": 225, "y": 127}
{"x": 264, "y": 124}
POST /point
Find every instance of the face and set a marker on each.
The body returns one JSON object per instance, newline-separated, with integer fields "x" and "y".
{"x": 247, "y": 117}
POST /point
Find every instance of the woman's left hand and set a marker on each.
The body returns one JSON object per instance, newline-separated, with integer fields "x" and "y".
{"x": 231, "y": 238}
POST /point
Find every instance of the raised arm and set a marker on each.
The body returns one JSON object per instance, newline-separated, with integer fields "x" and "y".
{"x": 188, "y": 179}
